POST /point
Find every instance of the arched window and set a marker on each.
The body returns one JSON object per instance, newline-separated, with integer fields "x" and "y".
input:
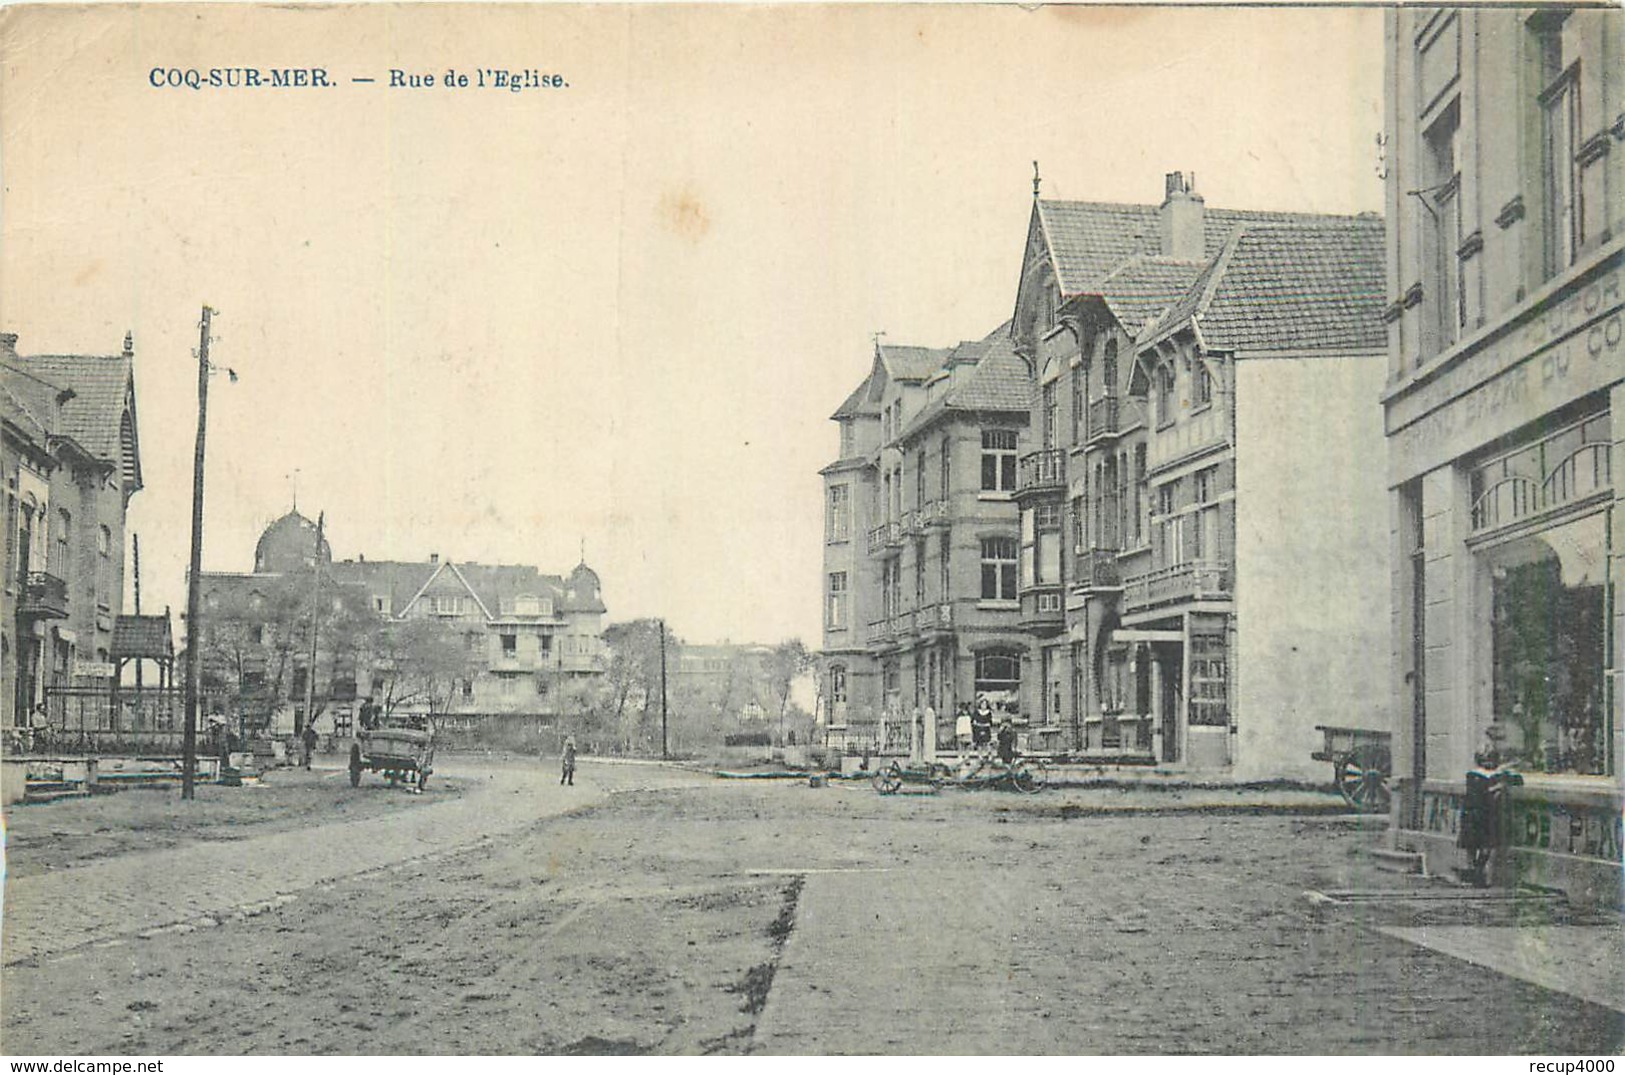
{"x": 998, "y": 569}
{"x": 1108, "y": 368}
{"x": 998, "y": 677}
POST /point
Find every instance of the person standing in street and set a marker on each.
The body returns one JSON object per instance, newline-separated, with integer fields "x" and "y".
{"x": 567, "y": 774}
{"x": 308, "y": 740}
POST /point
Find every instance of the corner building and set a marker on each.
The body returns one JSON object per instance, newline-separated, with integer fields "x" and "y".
{"x": 1506, "y": 196}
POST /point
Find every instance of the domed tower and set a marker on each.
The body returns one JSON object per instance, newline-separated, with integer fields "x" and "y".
{"x": 581, "y": 590}
{"x": 289, "y": 544}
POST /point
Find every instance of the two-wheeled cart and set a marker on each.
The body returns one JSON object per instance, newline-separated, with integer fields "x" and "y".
{"x": 1361, "y": 765}
{"x": 404, "y": 755}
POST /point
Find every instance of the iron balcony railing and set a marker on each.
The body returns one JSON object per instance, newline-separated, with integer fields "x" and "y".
{"x": 44, "y": 596}
{"x": 1096, "y": 569}
{"x": 1195, "y": 580}
{"x": 1103, "y": 417}
{"x": 1042, "y": 469}
{"x": 885, "y": 536}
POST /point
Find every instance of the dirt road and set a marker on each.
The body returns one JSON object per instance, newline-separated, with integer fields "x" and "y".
{"x": 662, "y": 912}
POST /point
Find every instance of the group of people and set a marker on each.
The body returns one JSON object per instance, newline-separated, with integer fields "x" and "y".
{"x": 978, "y": 728}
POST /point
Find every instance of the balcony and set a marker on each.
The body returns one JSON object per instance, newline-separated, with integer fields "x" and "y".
{"x": 1198, "y": 580}
{"x": 1042, "y": 470}
{"x": 879, "y": 632}
{"x": 933, "y": 513}
{"x": 1103, "y": 419}
{"x": 1096, "y": 569}
{"x": 885, "y": 538}
{"x": 44, "y": 597}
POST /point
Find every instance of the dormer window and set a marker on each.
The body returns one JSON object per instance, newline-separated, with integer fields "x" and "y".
{"x": 527, "y": 605}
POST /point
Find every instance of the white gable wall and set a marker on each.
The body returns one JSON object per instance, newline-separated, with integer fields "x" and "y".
{"x": 1312, "y": 574}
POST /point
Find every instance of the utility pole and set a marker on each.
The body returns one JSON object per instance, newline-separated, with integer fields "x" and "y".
{"x": 315, "y": 612}
{"x": 135, "y": 544}
{"x": 194, "y": 633}
{"x": 664, "y": 753}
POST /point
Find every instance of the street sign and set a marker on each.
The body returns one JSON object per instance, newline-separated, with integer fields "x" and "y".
{"x": 98, "y": 669}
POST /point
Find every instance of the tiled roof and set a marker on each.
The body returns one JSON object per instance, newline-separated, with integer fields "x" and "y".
{"x": 859, "y": 402}
{"x": 1142, "y": 287}
{"x": 906, "y": 363}
{"x": 1088, "y": 239}
{"x": 1291, "y": 287}
{"x": 1000, "y": 380}
{"x": 99, "y": 383}
{"x": 27, "y": 402}
{"x": 141, "y": 636}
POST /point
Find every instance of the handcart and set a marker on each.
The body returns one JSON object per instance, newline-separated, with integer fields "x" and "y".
{"x": 1361, "y": 763}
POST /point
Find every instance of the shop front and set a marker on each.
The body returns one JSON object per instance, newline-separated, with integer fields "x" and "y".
{"x": 1509, "y": 539}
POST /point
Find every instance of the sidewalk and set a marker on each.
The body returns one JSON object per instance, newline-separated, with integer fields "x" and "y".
{"x": 1581, "y": 961}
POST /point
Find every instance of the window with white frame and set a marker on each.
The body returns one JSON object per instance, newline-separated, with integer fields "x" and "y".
{"x": 840, "y": 512}
{"x": 1563, "y": 219}
{"x": 837, "y": 600}
{"x": 837, "y": 684}
{"x": 998, "y": 460}
{"x": 998, "y": 568}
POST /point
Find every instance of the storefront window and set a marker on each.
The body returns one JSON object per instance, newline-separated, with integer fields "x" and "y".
{"x": 1209, "y": 681}
{"x": 1549, "y": 646}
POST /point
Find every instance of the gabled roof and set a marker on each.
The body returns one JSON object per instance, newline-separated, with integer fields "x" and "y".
{"x": 1143, "y": 286}
{"x": 1087, "y": 240}
{"x": 102, "y": 387}
{"x": 1299, "y": 286}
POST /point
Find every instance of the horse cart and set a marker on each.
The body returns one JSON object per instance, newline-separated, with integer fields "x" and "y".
{"x": 1361, "y": 763}
{"x": 405, "y": 755}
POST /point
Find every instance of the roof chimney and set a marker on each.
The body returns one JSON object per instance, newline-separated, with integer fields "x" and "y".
{"x": 1183, "y": 229}
{"x": 434, "y": 558}
{"x": 8, "y": 343}
{"x": 129, "y": 345}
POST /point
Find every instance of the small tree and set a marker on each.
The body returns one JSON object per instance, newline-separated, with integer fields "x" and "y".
{"x": 788, "y": 662}
{"x": 633, "y": 679}
{"x": 422, "y": 661}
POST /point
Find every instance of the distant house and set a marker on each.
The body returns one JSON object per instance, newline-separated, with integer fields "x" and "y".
{"x": 529, "y": 635}
{"x": 71, "y": 463}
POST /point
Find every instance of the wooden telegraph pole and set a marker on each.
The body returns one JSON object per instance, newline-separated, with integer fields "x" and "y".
{"x": 194, "y": 627}
{"x": 663, "y": 751}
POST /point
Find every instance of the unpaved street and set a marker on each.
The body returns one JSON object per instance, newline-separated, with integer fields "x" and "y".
{"x": 652, "y": 910}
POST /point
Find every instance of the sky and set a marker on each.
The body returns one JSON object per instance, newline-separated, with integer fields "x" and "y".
{"x": 609, "y": 317}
